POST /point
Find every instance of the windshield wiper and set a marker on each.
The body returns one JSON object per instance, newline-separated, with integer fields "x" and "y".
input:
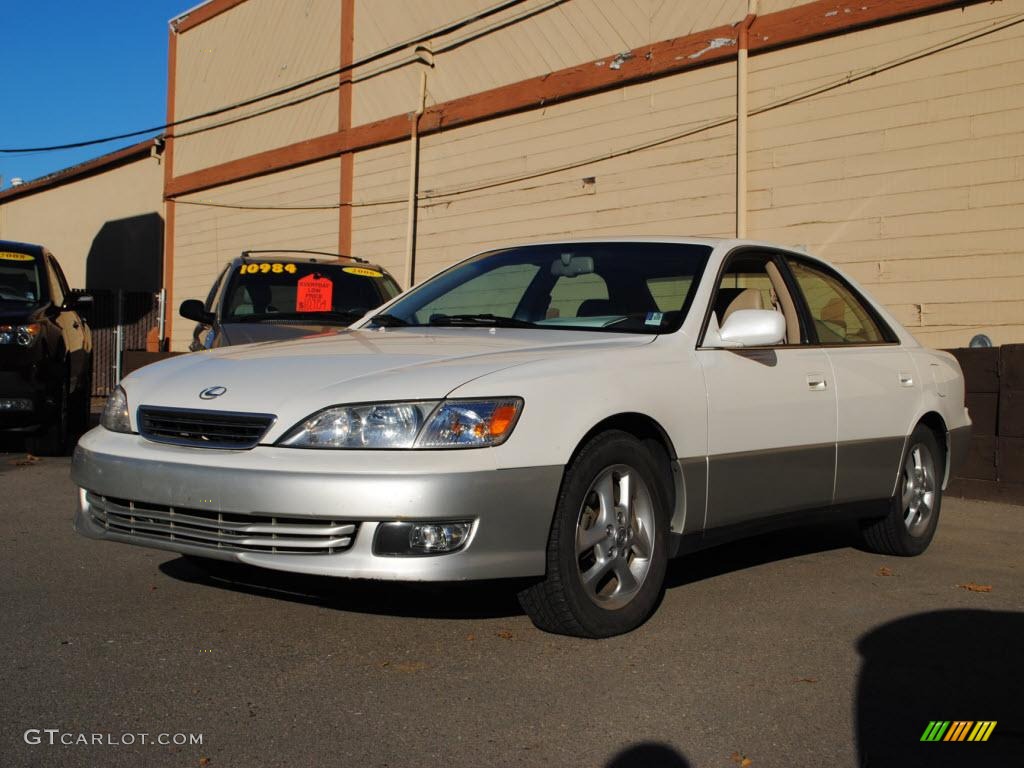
{"x": 484, "y": 319}
{"x": 388, "y": 321}
{"x": 313, "y": 318}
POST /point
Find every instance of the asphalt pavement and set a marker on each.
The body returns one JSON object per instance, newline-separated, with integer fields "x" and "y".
{"x": 793, "y": 649}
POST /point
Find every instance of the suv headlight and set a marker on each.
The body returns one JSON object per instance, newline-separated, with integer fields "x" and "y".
{"x": 115, "y": 412}
{"x": 22, "y": 335}
{"x": 422, "y": 424}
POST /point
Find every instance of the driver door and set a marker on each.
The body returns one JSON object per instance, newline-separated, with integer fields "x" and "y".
{"x": 771, "y": 410}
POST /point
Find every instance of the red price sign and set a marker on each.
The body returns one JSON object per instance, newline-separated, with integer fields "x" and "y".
{"x": 314, "y": 294}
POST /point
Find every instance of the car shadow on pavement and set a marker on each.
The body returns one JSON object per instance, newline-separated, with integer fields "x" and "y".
{"x": 448, "y": 600}
{"x": 482, "y": 599}
{"x": 945, "y": 666}
{"x": 758, "y": 550}
{"x": 648, "y": 754}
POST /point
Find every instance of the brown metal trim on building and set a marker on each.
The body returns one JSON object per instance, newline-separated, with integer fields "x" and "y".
{"x": 348, "y": 17}
{"x": 203, "y": 13}
{"x": 796, "y": 25}
{"x": 172, "y": 69}
{"x": 81, "y": 171}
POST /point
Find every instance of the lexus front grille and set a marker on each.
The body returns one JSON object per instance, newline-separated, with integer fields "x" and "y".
{"x": 203, "y": 429}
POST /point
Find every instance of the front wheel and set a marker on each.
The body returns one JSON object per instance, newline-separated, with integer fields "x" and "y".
{"x": 607, "y": 550}
{"x": 913, "y": 516}
{"x": 52, "y": 437}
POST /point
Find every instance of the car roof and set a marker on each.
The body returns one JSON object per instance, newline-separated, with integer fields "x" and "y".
{"x": 724, "y": 243}
{"x": 714, "y": 242}
{"x": 26, "y": 248}
{"x": 299, "y": 257}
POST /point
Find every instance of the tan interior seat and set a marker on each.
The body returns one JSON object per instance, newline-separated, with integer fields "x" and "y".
{"x": 835, "y": 312}
{"x": 786, "y": 302}
{"x": 748, "y": 299}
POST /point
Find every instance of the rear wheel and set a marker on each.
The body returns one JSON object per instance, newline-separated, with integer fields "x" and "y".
{"x": 913, "y": 516}
{"x": 607, "y": 550}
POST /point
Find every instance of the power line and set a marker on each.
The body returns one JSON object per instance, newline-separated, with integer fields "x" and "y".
{"x": 284, "y": 90}
{"x": 694, "y": 129}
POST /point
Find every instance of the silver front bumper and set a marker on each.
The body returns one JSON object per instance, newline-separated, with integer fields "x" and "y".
{"x": 122, "y": 475}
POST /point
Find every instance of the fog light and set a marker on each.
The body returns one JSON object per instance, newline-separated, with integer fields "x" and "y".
{"x": 438, "y": 537}
{"x": 15, "y": 404}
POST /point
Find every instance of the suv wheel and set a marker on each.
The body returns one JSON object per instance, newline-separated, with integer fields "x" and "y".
{"x": 51, "y": 438}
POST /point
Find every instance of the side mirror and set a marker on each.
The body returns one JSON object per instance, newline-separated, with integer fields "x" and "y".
{"x": 194, "y": 309}
{"x": 753, "y": 328}
{"x": 76, "y": 301}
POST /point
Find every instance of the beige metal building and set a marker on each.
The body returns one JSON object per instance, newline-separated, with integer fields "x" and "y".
{"x": 78, "y": 211}
{"x": 886, "y": 135}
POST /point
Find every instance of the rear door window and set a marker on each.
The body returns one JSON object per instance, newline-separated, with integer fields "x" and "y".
{"x": 838, "y": 315}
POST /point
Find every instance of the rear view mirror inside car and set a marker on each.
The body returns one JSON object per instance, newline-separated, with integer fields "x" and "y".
{"x": 572, "y": 266}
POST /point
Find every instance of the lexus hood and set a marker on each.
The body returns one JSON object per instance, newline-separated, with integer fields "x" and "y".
{"x": 292, "y": 379}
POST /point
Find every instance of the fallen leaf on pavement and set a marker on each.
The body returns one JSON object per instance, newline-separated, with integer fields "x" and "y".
{"x": 28, "y": 460}
{"x": 741, "y": 760}
{"x": 504, "y": 634}
{"x": 204, "y": 761}
{"x": 883, "y": 571}
{"x": 970, "y": 586}
{"x": 471, "y": 636}
{"x": 805, "y": 680}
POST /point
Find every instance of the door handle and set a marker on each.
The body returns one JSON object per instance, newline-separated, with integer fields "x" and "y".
{"x": 816, "y": 382}
{"x": 906, "y": 379}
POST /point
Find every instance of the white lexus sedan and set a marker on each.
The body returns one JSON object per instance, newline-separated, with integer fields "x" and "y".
{"x": 572, "y": 412}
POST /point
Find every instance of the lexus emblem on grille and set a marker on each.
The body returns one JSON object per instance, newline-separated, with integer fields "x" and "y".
{"x": 211, "y": 392}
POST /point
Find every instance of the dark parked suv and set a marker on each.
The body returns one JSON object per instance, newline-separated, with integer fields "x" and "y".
{"x": 275, "y": 295}
{"x": 45, "y": 350}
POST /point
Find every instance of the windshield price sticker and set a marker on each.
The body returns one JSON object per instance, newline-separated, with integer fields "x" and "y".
{"x": 265, "y": 268}
{"x": 314, "y": 294}
{"x": 11, "y": 256}
{"x": 362, "y": 271}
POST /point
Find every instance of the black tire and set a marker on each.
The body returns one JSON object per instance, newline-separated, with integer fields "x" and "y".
{"x": 51, "y": 439}
{"x": 560, "y": 603}
{"x": 904, "y": 532}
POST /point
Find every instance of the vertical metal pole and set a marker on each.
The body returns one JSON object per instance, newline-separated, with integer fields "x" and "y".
{"x": 161, "y": 304}
{"x": 741, "y": 120}
{"x": 119, "y": 337}
{"x": 414, "y": 172}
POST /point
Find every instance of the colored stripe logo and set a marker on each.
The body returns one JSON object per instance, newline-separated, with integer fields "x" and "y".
{"x": 958, "y": 730}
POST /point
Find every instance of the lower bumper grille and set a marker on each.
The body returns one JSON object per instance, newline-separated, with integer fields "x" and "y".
{"x": 223, "y": 531}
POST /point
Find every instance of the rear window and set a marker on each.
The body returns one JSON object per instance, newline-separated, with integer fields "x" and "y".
{"x": 322, "y": 293}
{"x": 19, "y": 278}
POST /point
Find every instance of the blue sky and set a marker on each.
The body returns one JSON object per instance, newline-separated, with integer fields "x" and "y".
{"x": 71, "y": 71}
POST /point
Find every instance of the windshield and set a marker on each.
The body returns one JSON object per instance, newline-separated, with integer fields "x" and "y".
{"x": 624, "y": 287}
{"x": 329, "y": 294}
{"x": 19, "y": 278}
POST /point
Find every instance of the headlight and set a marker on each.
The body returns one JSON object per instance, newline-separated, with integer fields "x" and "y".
{"x": 115, "y": 412}
{"x": 22, "y": 335}
{"x": 471, "y": 423}
{"x": 377, "y": 425}
{"x": 424, "y": 424}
